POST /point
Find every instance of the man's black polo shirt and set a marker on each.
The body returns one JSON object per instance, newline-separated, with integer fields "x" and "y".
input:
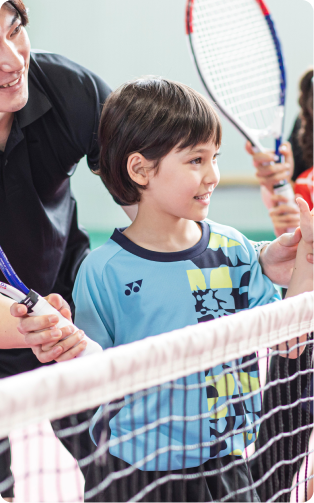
{"x": 38, "y": 219}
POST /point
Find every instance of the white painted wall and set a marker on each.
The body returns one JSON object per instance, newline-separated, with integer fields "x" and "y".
{"x": 124, "y": 39}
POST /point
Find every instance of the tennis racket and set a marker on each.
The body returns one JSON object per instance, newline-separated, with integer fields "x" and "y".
{"x": 238, "y": 57}
{"x": 36, "y": 305}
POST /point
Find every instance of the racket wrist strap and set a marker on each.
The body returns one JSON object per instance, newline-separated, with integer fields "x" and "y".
{"x": 30, "y": 300}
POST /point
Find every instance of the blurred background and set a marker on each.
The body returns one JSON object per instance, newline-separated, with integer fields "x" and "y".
{"x": 124, "y": 39}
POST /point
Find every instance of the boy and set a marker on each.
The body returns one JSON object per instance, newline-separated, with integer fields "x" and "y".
{"x": 169, "y": 269}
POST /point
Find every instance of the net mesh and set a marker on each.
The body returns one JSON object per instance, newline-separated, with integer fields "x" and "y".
{"x": 237, "y": 57}
{"x": 205, "y": 413}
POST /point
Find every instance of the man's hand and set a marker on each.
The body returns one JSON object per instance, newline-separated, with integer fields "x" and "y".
{"x": 268, "y": 172}
{"x": 44, "y": 339}
{"x": 278, "y": 257}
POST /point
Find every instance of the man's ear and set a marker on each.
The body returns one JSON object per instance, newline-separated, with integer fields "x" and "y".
{"x": 139, "y": 168}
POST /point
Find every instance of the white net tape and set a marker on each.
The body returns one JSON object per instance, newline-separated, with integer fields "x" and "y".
{"x": 63, "y": 389}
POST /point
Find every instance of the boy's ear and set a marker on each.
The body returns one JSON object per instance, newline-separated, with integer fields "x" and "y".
{"x": 139, "y": 168}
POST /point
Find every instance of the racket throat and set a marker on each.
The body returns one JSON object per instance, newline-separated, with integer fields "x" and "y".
{"x": 30, "y": 301}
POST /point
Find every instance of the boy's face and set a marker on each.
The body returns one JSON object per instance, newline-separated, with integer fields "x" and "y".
{"x": 185, "y": 181}
{"x": 14, "y": 61}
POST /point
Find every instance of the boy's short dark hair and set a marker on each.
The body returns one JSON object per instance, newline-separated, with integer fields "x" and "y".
{"x": 151, "y": 116}
{"x": 19, "y": 6}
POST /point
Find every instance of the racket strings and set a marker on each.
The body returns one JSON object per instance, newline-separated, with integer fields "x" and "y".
{"x": 237, "y": 54}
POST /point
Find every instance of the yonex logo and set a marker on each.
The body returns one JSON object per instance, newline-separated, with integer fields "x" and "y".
{"x": 133, "y": 287}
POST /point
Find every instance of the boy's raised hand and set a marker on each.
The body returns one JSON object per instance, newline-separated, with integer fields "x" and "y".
{"x": 306, "y": 221}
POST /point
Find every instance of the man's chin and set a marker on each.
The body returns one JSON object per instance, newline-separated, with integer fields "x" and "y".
{"x": 17, "y": 104}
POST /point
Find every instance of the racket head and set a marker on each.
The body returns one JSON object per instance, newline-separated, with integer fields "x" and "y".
{"x": 238, "y": 56}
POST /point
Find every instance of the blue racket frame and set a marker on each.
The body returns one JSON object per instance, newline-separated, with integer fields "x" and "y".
{"x": 10, "y": 274}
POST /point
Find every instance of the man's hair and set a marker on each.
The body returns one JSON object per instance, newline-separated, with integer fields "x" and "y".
{"x": 19, "y": 6}
{"x": 151, "y": 116}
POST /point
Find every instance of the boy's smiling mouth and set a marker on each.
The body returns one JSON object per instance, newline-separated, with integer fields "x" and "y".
{"x": 204, "y": 197}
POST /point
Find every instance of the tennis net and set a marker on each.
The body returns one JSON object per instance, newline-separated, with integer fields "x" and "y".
{"x": 204, "y": 413}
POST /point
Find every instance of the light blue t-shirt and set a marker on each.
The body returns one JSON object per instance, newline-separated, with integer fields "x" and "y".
{"x": 125, "y": 293}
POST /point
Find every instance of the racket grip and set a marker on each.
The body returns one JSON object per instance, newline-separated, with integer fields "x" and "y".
{"x": 42, "y": 307}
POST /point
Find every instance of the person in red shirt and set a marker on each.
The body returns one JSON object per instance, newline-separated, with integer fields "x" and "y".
{"x": 296, "y": 168}
{"x": 304, "y": 186}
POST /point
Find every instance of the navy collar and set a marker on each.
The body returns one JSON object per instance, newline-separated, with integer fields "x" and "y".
{"x": 154, "y": 256}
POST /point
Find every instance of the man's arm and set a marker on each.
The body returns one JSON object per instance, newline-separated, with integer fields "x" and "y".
{"x": 18, "y": 330}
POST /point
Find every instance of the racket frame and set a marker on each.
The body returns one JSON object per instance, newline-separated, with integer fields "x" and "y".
{"x": 10, "y": 274}
{"x": 250, "y": 134}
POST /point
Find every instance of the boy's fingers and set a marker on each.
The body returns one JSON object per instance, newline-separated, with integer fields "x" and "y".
{"x": 56, "y": 301}
{"x": 49, "y": 356}
{"x": 64, "y": 349}
{"x": 18, "y": 310}
{"x": 67, "y": 343}
{"x": 66, "y": 313}
{"x": 37, "y": 323}
{"x": 310, "y": 258}
{"x": 65, "y": 332}
{"x": 72, "y": 353}
{"x": 51, "y": 337}
{"x": 48, "y": 337}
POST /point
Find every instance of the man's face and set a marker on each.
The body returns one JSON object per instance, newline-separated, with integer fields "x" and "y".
{"x": 14, "y": 61}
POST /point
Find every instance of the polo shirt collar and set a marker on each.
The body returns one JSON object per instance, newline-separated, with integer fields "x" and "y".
{"x": 37, "y": 105}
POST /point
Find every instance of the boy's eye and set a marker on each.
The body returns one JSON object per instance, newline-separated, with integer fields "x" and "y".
{"x": 17, "y": 30}
{"x": 215, "y": 156}
{"x": 198, "y": 160}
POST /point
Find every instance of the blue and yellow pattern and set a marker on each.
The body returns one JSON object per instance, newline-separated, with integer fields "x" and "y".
{"x": 124, "y": 293}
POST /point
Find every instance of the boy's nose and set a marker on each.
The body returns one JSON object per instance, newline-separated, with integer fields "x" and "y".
{"x": 212, "y": 177}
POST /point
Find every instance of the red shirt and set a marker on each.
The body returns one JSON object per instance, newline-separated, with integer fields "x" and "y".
{"x": 304, "y": 186}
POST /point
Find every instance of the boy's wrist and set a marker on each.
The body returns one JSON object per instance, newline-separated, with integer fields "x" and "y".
{"x": 259, "y": 248}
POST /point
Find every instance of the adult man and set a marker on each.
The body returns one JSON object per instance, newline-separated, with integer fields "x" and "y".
{"x": 49, "y": 113}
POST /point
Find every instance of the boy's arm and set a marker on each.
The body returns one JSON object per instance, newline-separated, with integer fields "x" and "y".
{"x": 302, "y": 276}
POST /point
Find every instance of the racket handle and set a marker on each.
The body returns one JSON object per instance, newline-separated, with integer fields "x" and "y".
{"x": 38, "y": 306}
{"x": 284, "y": 188}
